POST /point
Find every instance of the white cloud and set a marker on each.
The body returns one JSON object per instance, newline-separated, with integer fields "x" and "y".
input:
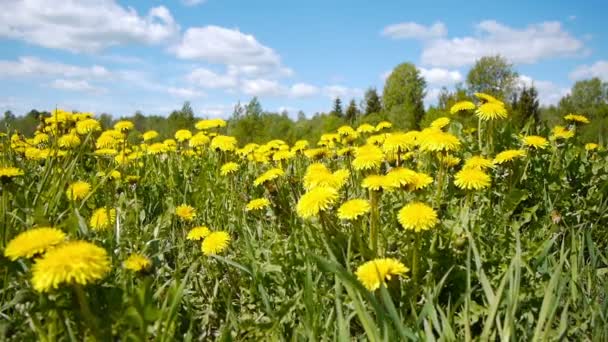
{"x": 210, "y": 79}
{"x": 343, "y": 92}
{"x": 218, "y": 110}
{"x": 83, "y": 25}
{"x": 598, "y": 69}
{"x": 193, "y": 2}
{"x": 432, "y": 95}
{"x": 528, "y": 45}
{"x": 262, "y": 87}
{"x": 186, "y": 93}
{"x": 549, "y": 93}
{"x": 412, "y": 30}
{"x": 76, "y": 85}
{"x": 440, "y": 77}
{"x": 225, "y": 46}
{"x": 33, "y": 66}
{"x": 303, "y": 90}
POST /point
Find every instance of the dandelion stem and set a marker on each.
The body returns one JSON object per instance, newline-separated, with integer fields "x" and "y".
{"x": 373, "y": 226}
{"x": 85, "y": 310}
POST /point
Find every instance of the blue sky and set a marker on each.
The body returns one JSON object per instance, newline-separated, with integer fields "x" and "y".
{"x": 119, "y": 56}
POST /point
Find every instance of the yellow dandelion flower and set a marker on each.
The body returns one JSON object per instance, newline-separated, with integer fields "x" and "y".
{"x": 283, "y": 155}
{"x": 157, "y": 148}
{"x": 376, "y": 272}
{"x": 577, "y": 118}
{"x": 110, "y": 152}
{"x": 75, "y": 262}
{"x": 448, "y": 160}
{"x": 257, "y": 204}
{"x": 183, "y": 135}
{"x": 268, "y": 176}
{"x": 420, "y": 181}
{"x": 367, "y": 157}
{"x": 229, "y": 168}
{"x": 198, "y": 233}
{"x": 300, "y": 146}
{"x": 486, "y": 97}
{"x": 417, "y": 216}
{"x": 316, "y": 200}
{"x": 137, "y": 263}
{"x": 379, "y": 182}
{"x": 41, "y": 138}
{"x": 9, "y": 172}
{"x": 347, "y": 131}
{"x": 383, "y": 125}
{"x": 434, "y": 140}
{"x": 472, "y": 179}
{"x": 33, "y": 242}
{"x": 440, "y": 123}
{"x": 399, "y": 142}
{"x": 210, "y": 123}
{"x": 462, "y": 106}
{"x": 185, "y": 212}
{"x": 315, "y": 153}
{"x": 124, "y": 126}
{"x": 535, "y": 142}
{"x": 78, "y": 190}
{"x": 401, "y": 176}
{"x": 149, "y": 135}
{"x": 215, "y": 243}
{"x": 353, "y": 209}
{"x": 491, "y": 111}
{"x": 509, "y": 155}
{"x": 366, "y": 128}
{"x": 478, "y": 162}
{"x": 103, "y": 219}
{"x": 68, "y": 141}
{"x": 87, "y": 126}
{"x": 588, "y": 147}
{"x": 199, "y": 139}
{"x": 170, "y": 145}
{"x": 561, "y": 132}
{"x": 223, "y": 143}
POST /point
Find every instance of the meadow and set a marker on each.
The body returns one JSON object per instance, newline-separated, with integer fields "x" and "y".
{"x": 446, "y": 233}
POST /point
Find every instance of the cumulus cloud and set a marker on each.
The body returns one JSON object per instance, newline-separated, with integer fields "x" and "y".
{"x": 598, "y": 69}
{"x": 216, "y": 44}
{"x": 209, "y": 79}
{"x": 33, "y": 66}
{"x": 412, "y": 30}
{"x": 75, "y": 85}
{"x": 441, "y": 77}
{"x": 549, "y": 93}
{"x": 193, "y": 2}
{"x": 83, "y": 25}
{"x": 340, "y": 91}
{"x": 527, "y": 45}
{"x": 186, "y": 93}
{"x": 262, "y": 87}
{"x": 303, "y": 90}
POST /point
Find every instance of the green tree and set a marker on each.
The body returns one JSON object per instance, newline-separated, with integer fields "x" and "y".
{"x": 526, "y": 107}
{"x": 493, "y": 75}
{"x": 403, "y": 96}
{"x": 373, "y": 104}
{"x": 352, "y": 111}
{"x": 337, "y": 109}
{"x": 253, "y": 108}
{"x": 590, "y": 98}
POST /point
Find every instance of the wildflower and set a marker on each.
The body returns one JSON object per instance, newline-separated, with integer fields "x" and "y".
{"x": 103, "y": 218}
{"x": 469, "y": 179}
{"x": 215, "y": 243}
{"x": 229, "y": 168}
{"x": 170, "y": 145}
{"x": 378, "y": 182}
{"x": 10, "y": 172}
{"x": 508, "y": 155}
{"x": 198, "y": 233}
{"x": 420, "y": 180}
{"x": 75, "y": 262}
{"x": 315, "y": 153}
{"x": 137, "y": 263}
{"x": 376, "y": 272}
{"x": 223, "y": 143}
{"x": 462, "y": 106}
{"x": 577, "y": 118}
{"x": 283, "y": 155}
{"x": 486, "y": 98}
{"x": 440, "y": 123}
{"x": 210, "y": 123}
{"x": 68, "y": 141}
{"x": 535, "y": 142}
{"x": 561, "y": 132}
{"x": 591, "y": 146}
{"x": 124, "y": 126}
{"x": 477, "y": 162}
{"x": 268, "y": 176}
{"x": 367, "y": 157}
{"x": 199, "y": 139}
{"x": 185, "y": 212}
{"x": 417, "y": 216}
{"x": 353, "y": 209}
{"x": 87, "y": 126}
{"x": 149, "y": 135}
{"x": 41, "y": 138}
{"x": 434, "y": 140}
{"x": 401, "y": 176}
{"x": 32, "y": 242}
{"x": 491, "y": 111}
{"x": 316, "y": 200}
{"x": 399, "y": 142}
{"x": 257, "y": 204}
{"x": 449, "y": 160}
{"x": 383, "y": 125}
{"x": 106, "y": 152}
{"x": 366, "y": 128}
{"x": 78, "y": 190}
{"x": 157, "y": 148}
{"x": 299, "y": 146}
{"x": 183, "y": 135}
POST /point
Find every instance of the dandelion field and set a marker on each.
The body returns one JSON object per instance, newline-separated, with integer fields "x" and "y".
{"x": 447, "y": 233}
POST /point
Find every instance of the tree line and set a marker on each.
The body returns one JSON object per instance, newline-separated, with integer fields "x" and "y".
{"x": 401, "y": 102}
